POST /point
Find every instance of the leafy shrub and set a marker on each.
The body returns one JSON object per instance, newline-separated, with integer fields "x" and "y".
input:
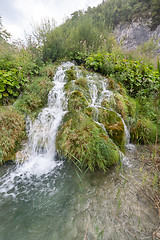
{"x": 140, "y": 79}
{"x": 95, "y": 62}
{"x": 16, "y": 66}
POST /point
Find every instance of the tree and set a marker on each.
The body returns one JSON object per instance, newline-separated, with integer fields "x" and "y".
{"x": 40, "y": 32}
{"x": 4, "y": 35}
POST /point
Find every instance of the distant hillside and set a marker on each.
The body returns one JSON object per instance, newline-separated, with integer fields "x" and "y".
{"x": 132, "y": 21}
{"x": 113, "y": 12}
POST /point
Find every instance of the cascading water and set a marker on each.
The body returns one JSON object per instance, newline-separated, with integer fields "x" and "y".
{"x": 41, "y": 199}
{"x": 39, "y": 153}
{"x": 97, "y": 98}
{"x": 40, "y": 150}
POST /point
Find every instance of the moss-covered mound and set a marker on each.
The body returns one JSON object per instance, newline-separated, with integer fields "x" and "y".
{"x": 82, "y": 82}
{"x": 12, "y": 130}
{"x": 77, "y": 101}
{"x": 79, "y": 85}
{"x": 82, "y": 140}
{"x": 114, "y": 126}
{"x": 70, "y": 74}
{"x": 121, "y": 103}
{"x": 125, "y": 106}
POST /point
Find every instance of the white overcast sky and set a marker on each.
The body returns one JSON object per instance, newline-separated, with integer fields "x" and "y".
{"x": 18, "y": 15}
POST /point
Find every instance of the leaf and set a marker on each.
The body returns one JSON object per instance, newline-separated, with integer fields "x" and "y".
{"x": 2, "y": 88}
{"x": 10, "y": 90}
{"x": 8, "y": 74}
{"x": 5, "y": 94}
{"x": 15, "y": 94}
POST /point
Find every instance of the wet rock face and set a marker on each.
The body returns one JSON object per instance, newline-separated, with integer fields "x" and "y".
{"x": 133, "y": 34}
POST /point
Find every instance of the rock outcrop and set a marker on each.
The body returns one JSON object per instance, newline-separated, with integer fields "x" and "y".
{"x": 131, "y": 35}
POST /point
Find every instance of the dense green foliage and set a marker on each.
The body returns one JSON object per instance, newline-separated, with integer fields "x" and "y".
{"x": 141, "y": 79}
{"x": 17, "y": 65}
{"x": 12, "y": 119}
{"x": 112, "y": 12}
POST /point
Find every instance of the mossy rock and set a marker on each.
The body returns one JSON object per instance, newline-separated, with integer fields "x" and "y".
{"x": 143, "y": 131}
{"x": 111, "y": 84}
{"x": 81, "y": 140}
{"x": 121, "y": 106}
{"x": 82, "y": 82}
{"x": 91, "y": 112}
{"x": 77, "y": 101}
{"x": 113, "y": 125}
{"x": 108, "y": 103}
{"x": 69, "y": 87}
{"x": 125, "y": 106}
{"x": 70, "y": 74}
{"x": 79, "y": 85}
{"x": 122, "y": 90}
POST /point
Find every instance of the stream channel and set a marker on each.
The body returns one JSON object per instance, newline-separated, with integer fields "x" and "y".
{"x": 43, "y": 198}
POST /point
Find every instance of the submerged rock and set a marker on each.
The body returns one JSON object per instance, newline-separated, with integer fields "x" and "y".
{"x": 83, "y": 141}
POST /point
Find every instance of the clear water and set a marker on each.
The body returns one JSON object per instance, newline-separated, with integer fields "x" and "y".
{"x": 43, "y": 198}
{"x": 56, "y": 206}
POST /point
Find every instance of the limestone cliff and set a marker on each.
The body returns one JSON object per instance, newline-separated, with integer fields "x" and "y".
{"x": 130, "y": 35}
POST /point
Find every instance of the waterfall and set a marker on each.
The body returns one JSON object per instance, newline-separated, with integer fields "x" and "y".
{"x": 40, "y": 198}
{"x": 39, "y": 152}
{"x": 40, "y": 149}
